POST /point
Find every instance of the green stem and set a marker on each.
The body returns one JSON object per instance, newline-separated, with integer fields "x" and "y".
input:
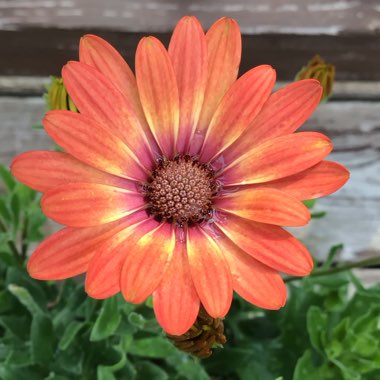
{"x": 24, "y": 233}
{"x": 11, "y": 245}
{"x": 325, "y": 272}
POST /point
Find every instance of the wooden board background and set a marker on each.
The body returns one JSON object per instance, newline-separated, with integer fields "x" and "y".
{"x": 38, "y": 36}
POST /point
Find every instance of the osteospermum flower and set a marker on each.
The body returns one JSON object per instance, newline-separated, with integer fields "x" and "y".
{"x": 176, "y": 182}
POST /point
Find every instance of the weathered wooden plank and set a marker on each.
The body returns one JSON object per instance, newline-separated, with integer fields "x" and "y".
{"x": 369, "y": 277}
{"x": 42, "y": 52}
{"x": 270, "y": 16}
{"x": 35, "y": 86}
{"x": 353, "y": 213}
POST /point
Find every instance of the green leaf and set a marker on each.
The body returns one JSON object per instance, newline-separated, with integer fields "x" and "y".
{"x": 69, "y": 335}
{"x": 7, "y": 178}
{"x": 42, "y": 339}
{"x": 316, "y": 326}
{"x": 19, "y": 357}
{"x": 18, "y": 276}
{"x": 15, "y": 207}
{"x": 318, "y": 214}
{"x": 7, "y": 302}
{"x": 17, "y": 325}
{"x": 28, "y": 373}
{"x": 23, "y": 295}
{"x": 136, "y": 320}
{"x": 147, "y": 370}
{"x": 107, "y": 321}
{"x": 191, "y": 368}
{"x": 348, "y": 373}
{"x": 149, "y": 302}
{"x": 364, "y": 345}
{"x": 305, "y": 370}
{"x": 310, "y": 203}
{"x": 4, "y": 211}
{"x": 334, "y": 251}
{"x": 155, "y": 347}
{"x": 104, "y": 373}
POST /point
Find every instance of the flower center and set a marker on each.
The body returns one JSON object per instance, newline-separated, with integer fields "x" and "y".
{"x": 181, "y": 190}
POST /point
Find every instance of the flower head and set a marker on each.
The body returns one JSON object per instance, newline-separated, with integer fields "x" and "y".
{"x": 176, "y": 182}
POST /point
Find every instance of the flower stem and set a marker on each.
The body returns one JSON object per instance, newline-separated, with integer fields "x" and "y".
{"x": 325, "y": 272}
{"x": 24, "y": 233}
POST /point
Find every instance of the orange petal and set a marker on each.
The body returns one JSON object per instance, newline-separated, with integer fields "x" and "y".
{"x": 146, "y": 262}
{"x": 238, "y": 108}
{"x": 68, "y": 252}
{"x": 104, "y": 271}
{"x": 252, "y": 280}
{"x": 42, "y": 170}
{"x": 270, "y": 206}
{"x": 224, "y": 52}
{"x": 210, "y": 272}
{"x": 277, "y": 158}
{"x": 188, "y": 53}
{"x": 175, "y": 301}
{"x": 89, "y": 204}
{"x": 284, "y": 112}
{"x": 271, "y": 245}
{"x": 158, "y": 92}
{"x": 318, "y": 181}
{"x": 96, "y": 97}
{"x": 90, "y": 142}
{"x": 98, "y": 53}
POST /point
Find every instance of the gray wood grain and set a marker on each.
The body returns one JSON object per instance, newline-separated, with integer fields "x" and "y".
{"x": 296, "y": 16}
{"x": 353, "y": 213}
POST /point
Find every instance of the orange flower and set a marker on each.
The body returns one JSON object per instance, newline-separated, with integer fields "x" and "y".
{"x": 176, "y": 182}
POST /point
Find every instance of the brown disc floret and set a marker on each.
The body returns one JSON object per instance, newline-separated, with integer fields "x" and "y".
{"x": 181, "y": 190}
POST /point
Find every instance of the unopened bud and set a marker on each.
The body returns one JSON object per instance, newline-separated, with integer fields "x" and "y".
{"x": 318, "y": 69}
{"x": 57, "y": 97}
{"x": 205, "y": 334}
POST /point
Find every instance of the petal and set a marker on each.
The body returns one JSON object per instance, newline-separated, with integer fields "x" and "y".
{"x": 278, "y": 158}
{"x": 284, "y": 112}
{"x": 43, "y": 170}
{"x": 89, "y": 204}
{"x": 146, "y": 262}
{"x": 68, "y": 252}
{"x": 96, "y": 52}
{"x": 237, "y": 109}
{"x": 158, "y": 92}
{"x": 318, "y": 181}
{"x": 270, "y": 206}
{"x": 210, "y": 272}
{"x": 90, "y": 142}
{"x": 175, "y": 301}
{"x": 188, "y": 53}
{"x": 271, "y": 245}
{"x": 96, "y": 97}
{"x": 224, "y": 52}
{"x": 252, "y": 280}
{"x": 103, "y": 274}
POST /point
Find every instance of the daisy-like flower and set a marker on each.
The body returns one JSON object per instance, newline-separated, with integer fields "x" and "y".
{"x": 176, "y": 182}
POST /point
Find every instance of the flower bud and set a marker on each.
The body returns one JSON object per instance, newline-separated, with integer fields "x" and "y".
{"x": 57, "y": 97}
{"x": 318, "y": 69}
{"x": 205, "y": 334}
